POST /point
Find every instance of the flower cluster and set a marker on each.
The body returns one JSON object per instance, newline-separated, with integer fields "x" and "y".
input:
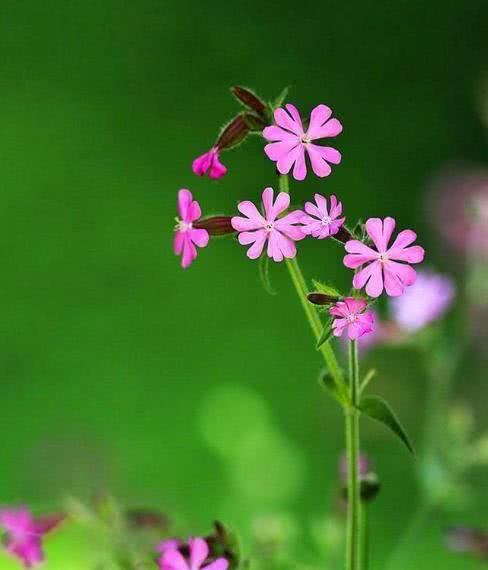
{"x": 273, "y": 230}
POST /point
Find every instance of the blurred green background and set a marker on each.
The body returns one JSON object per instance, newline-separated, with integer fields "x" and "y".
{"x": 194, "y": 391}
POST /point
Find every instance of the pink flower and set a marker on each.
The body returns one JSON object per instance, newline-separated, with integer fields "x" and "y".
{"x": 351, "y": 314}
{"x": 24, "y": 534}
{"x": 187, "y": 237}
{"x": 319, "y": 221}
{"x": 280, "y": 233}
{"x": 383, "y": 269}
{"x": 172, "y": 559}
{"x": 210, "y": 164}
{"x": 292, "y": 141}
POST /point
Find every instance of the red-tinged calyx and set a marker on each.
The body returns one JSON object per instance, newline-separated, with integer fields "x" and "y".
{"x": 215, "y": 225}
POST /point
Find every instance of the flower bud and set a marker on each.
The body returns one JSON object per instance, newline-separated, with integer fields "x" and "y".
{"x": 343, "y": 235}
{"x": 233, "y": 133}
{"x": 215, "y": 225}
{"x": 249, "y": 99}
{"x": 321, "y": 299}
{"x": 147, "y": 518}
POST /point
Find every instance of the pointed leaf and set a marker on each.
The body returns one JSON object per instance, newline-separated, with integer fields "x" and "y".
{"x": 379, "y": 410}
{"x": 325, "y": 289}
{"x": 326, "y": 334}
{"x": 367, "y": 379}
{"x": 278, "y": 102}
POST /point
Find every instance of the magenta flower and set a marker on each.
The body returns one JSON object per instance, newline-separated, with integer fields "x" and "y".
{"x": 320, "y": 221}
{"x": 351, "y": 314}
{"x": 280, "y": 233}
{"x": 187, "y": 237}
{"x": 172, "y": 559}
{"x": 382, "y": 269}
{"x": 426, "y": 301}
{"x": 209, "y": 164}
{"x": 291, "y": 141}
{"x": 24, "y": 534}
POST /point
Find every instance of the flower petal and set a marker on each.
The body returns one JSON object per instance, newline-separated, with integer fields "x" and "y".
{"x": 290, "y": 120}
{"x": 300, "y": 169}
{"x": 189, "y": 252}
{"x": 245, "y": 224}
{"x": 184, "y": 200}
{"x": 199, "y": 237}
{"x": 320, "y": 156}
{"x": 178, "y": 242}
{"x": 258, "y": 238}
{"x": 286, "y": 161}
{"x": 249, "y": 210}
{"x": 318, "y": 117}
{"x": 355, "y": 305}
{"x": 219, "y": 564}
{"x": 359, "y": 254}
{"x": 274, "y": 133}
{"x": 374, "y": 287}
{"x": 277, "y": 150}
{"x": 414, "y": 254}
{"x": 217, "y": 169}
{"x": 173, "y": 560}
{"x": 321, "y": 202}
{"x": 380, "y": 232}
{"x": 198, "y": 552}
{"x": 280, "y": 205}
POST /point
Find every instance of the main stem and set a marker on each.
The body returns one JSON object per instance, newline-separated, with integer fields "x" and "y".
{"x": 351, "y": 413}
{"x": 353, "y": 483}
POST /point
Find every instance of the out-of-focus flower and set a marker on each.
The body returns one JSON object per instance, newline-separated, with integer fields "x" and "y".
{"x": 280, "y": 233}
{"x": 369, "y": 482}
{"x": 321, "y": 221}
{"x": 425, "y": 301}
{"x": 24, "y": 534}
{"x": 459, "y": 207}
{"x": 209, "y": 163}
{"x": 467, "y": 540}
{"x": 351, "y": 315}
{"x": 364, "y": 466}
{"x": 197, "y": 559}
{"x": 382, "y": 269}
{"x": 291, "y": 141}
{"x": 187, "y": 237}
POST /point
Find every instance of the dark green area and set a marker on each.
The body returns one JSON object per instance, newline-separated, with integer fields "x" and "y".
{"x": 120, "y": 371}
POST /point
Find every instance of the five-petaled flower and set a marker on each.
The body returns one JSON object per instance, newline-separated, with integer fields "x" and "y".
{"x": 352, "y": 315}
{"x": 321, "y": 221}
{"x": 383, "y": 269}
{"x": 186, "y": 236}
{"x": 173, "y": 559}
{"x": 209, "y": 163}
{"x": 257, "y": 229}
{"x": 24, "y": 534}
{"x": 290, "y": 141}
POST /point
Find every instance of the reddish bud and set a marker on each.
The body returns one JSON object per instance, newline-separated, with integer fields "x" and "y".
{"x": 215, "y": 225}
{"x": 321, "y": 299}
{"x": 249, "y": 99}
{"x": 343, "y": 235}
{"x": 233, "y": 133}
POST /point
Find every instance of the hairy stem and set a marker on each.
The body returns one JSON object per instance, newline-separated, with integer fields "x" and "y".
{"x": 352, "y": 439}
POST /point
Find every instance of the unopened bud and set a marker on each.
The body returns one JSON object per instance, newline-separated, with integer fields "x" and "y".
{"x": 249, "y": 99}
{"x": 146, "y": 518}
{"x": 233, "y": 133}
{"x": 343, "y": 235}
{"x": 215, "y": 225}
{"x": 321, "y": 299}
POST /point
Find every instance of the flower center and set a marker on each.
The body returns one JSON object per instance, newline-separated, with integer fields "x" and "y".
{"x": 182, "y": 226}
{"x": 326, "y": 221}
{"x": 268, "y": 226}
{"x": 383, "y": 257}
{"x": 304, "y": 139}
{"x": 352, "y": 318}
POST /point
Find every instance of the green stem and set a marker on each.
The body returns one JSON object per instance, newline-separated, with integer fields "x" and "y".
{"x": 353, "y": 485}
{"x": 364, "y": 533}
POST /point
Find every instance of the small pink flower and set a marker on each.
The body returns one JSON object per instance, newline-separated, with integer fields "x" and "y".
{"x": 321, "y": 222}
{"x": 172, "y": 559}
{"x": 187, "y": 237}
{"x": 24, "y": 534}
{"x": 291, "y": 141}
{"x": 280, "y": 233}
{"x": 209, "y": 164}
{"x": 351, "y": 314}
{"x": 383, "y": 269}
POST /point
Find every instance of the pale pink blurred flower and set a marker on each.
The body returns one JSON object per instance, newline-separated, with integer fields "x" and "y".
{"x": 24, "y": 534}
{"x": 172, "y": 559}
{"x": 364, "y": 466}
{"x": 322, "y": 219}
{"x": 257, "y": 229}
{"x": 186, "y": 236}
{"x": 351, "y": 315}
{"x": 209, "y": 163}
{"x": 382, "y": 268}
{"x": 291, "y": 141}
{"x": 425, "y": 301}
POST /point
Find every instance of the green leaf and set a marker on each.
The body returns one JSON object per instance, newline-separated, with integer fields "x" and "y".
{"x": 263, "y": 267}
{"x": 367, "y": 379}
{"x": 379, "y": 410}
{"x": 327, "y": 382}
{"x": 278, "y": 102}
{"x": 326, "y": 333}
{"x": 325, "y": 289}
